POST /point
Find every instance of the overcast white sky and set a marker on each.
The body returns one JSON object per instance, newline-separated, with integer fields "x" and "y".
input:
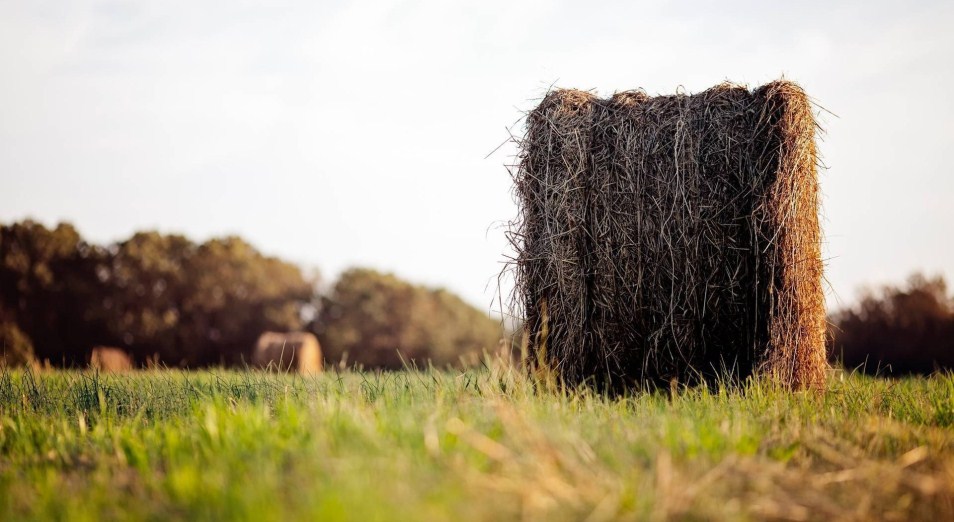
{"x": 354, "y": 133}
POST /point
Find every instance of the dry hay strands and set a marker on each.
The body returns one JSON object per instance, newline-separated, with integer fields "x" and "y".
{"x": 671, "y": 237}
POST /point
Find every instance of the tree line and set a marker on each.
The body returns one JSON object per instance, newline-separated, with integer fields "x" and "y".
{"x": 168, "y": 300}
{"x": 897, "y": 330}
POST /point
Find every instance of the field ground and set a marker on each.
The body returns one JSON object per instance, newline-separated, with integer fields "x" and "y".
{"x": 477, "y": 445}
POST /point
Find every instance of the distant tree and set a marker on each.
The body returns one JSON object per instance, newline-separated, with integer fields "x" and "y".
{"x": 236, "y": 294}
{"x": 898, "y": 331}
{"x": 195, "y": 305}
{"x": 147, "y": 283}
{"x": 47, "y": 281}
{"x": 376, "y": 320}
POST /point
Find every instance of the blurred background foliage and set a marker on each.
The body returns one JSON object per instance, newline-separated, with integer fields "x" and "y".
{"x": 897, "y": 330}
{"x": 166, "y": 299}
{"x": 377, "y": 320}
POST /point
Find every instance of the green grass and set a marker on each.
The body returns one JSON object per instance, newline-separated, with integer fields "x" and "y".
{"x": 477, "y": 445}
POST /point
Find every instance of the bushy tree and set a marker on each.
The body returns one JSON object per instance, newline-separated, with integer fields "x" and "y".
{"x": 194, "y": 305}
{"x": 380, "y": 321}
{"x": 898, "y": 330}
{"x": 47, "y": 282}
{"x": 236, "y": 294}
{"x": 146, "y": 283}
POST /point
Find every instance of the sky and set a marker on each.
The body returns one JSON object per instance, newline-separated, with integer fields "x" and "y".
{"x": 335, "y": 134}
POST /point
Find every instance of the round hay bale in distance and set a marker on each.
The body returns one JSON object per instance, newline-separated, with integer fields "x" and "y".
{"x": 108, "y": 359}
{"x": 288, "y": 351}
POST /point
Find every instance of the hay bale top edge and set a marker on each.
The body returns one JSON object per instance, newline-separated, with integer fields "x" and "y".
{"x": 574, "y": 99}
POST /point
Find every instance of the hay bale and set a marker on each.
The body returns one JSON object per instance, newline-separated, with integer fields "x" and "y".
{"x": 671, "y": 237}
{"x": 288, "y": 351}
{"x": 109, "y": 359}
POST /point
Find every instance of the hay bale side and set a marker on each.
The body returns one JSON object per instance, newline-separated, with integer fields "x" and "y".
{"x": 288, "y": 351}
{"x": 556, "y": 202}
{"x": 671, "y": 237}
{"x": 796, "y": 352}
{"x": 110, "y": 360}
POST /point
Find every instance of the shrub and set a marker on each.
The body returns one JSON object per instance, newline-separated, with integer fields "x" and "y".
{"x": 380, "y": 321}
{"x": 897, "y": 330}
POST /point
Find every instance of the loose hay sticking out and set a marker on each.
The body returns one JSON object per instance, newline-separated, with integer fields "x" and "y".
{"x": 671, "y": 237}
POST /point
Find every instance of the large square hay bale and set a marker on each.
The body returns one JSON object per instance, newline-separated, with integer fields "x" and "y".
{"x": 672, "y": 237}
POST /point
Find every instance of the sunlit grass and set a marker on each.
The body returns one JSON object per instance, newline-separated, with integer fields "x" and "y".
{"x": 477, "y": 445}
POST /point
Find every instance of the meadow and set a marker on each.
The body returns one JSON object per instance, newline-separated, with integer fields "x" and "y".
{"x": 484, "y": 444}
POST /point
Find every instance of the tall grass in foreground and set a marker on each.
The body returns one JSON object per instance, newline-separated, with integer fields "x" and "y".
{"x": 475, "y": 445}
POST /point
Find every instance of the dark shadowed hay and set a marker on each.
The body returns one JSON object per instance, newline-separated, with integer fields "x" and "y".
{"x": 671, "y": 237}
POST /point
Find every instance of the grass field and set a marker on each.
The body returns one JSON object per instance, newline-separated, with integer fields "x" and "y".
{"x": 478, "y": 445}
